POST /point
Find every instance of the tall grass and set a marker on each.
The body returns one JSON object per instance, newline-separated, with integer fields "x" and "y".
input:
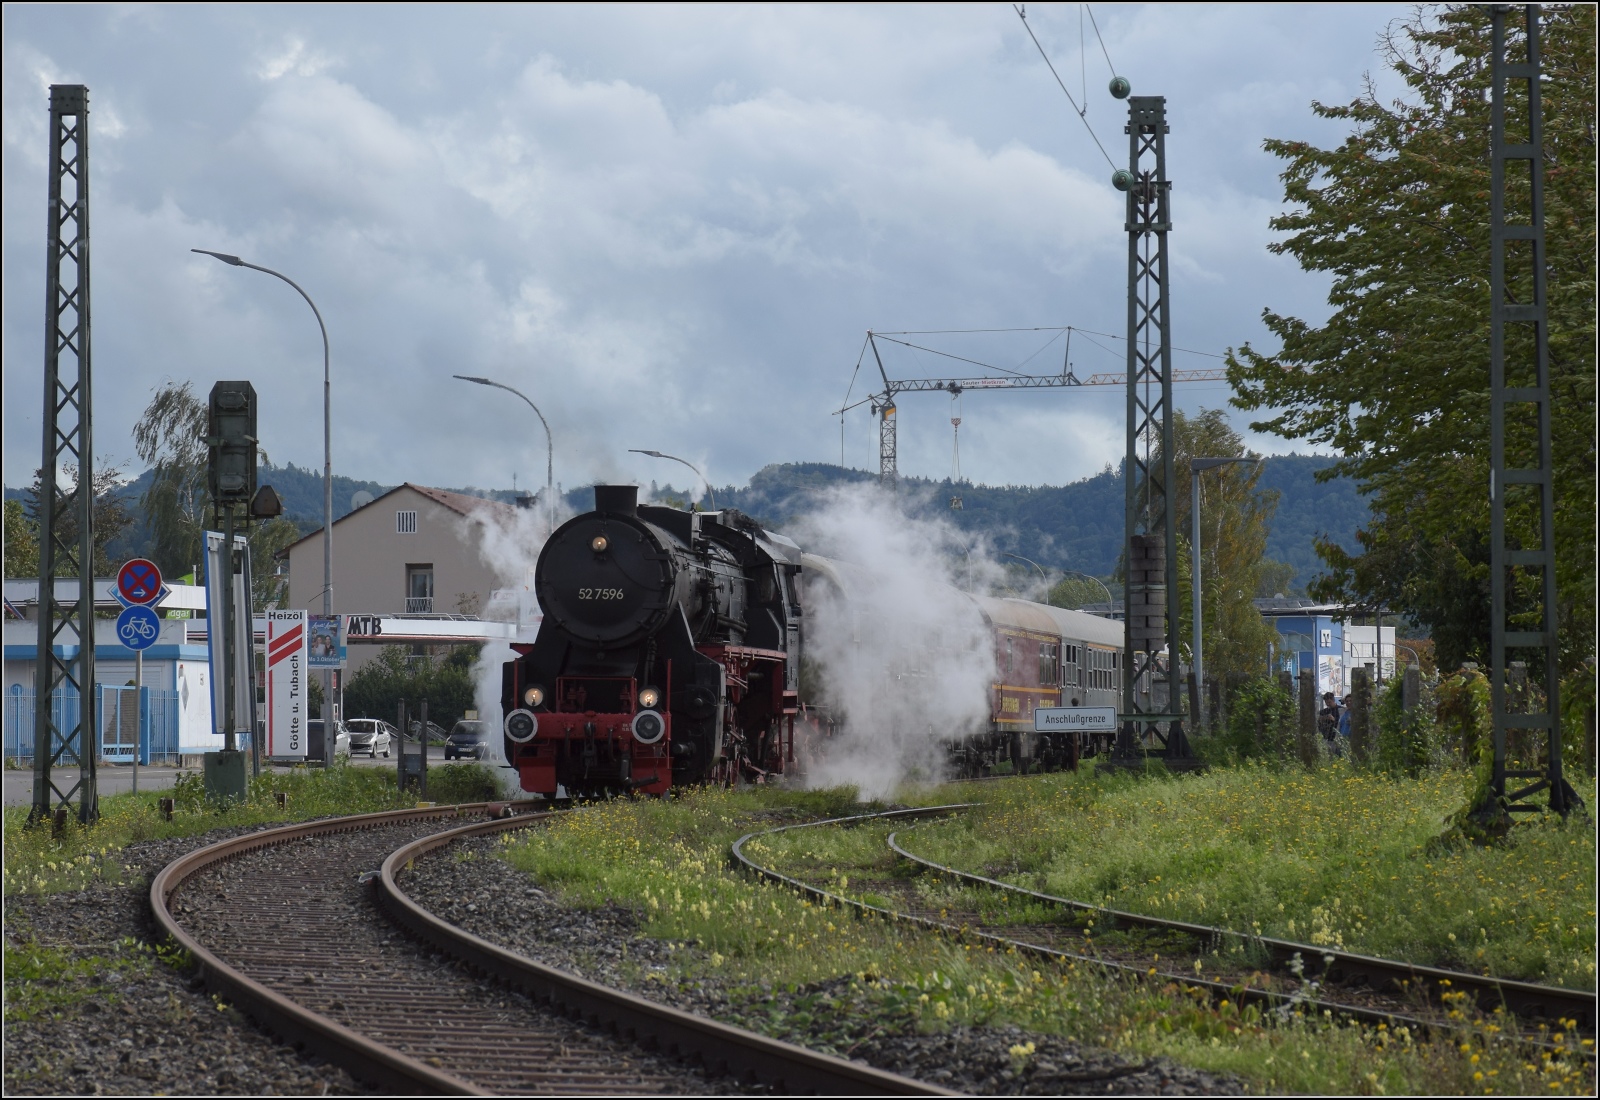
{"x": 667, "y": 861}
{"x": 1333, "y": 856}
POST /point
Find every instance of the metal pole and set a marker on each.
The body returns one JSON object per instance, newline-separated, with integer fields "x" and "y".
{"x": 138, "y": 701}
{"x": 1031, "y": 562}
{"x": 549, "y": 444}
{"x": 67, "y": 440}
{"x": 1110, "y": 603}
{"x": 710, "y": 492}
{"x": 1194, "y": 571}
{"x": 228, "y": 647}
{"x": 1519, "y": 385}
{"x": 327, "y": 479}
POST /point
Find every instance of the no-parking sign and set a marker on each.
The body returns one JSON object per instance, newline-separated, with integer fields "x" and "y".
{"x": 139, "y": 581}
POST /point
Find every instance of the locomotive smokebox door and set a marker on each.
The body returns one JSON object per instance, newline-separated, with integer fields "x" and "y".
{"x": 604, "y": 577}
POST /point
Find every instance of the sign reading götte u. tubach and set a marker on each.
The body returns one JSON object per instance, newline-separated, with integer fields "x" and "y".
{"x": 288, "y": 704}
{"x": 1087, "y": 719}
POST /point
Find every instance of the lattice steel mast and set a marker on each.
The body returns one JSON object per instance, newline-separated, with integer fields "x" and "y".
{"x": 1523, "y": 477}
{"x": 66, "y": 520}
{"x": 1151, "y": 545}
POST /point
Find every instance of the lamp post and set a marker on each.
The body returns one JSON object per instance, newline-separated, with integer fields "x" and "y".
{"x": 1196, "y": 465}
{"x": 710, "y": 492}
{"x": 1033, "y": 563}
{"x": 549, "y": 446}
{"x": 1111, "y": 604}
{"x": 327, "y": 487}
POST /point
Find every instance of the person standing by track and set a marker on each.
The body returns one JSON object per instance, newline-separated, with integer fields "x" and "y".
{"x": 1328, "y": 719}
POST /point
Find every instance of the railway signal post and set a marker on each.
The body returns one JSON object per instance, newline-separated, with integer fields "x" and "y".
{"x": 1150, "y": 521}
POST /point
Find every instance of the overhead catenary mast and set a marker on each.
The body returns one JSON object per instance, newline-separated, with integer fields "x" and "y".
{"x": 65, "y": 734}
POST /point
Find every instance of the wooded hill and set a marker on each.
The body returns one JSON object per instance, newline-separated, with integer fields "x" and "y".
{"x": 1076, "y": 526}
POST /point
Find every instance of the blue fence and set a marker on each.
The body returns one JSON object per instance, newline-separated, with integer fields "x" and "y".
{"x": 128, "y": 716}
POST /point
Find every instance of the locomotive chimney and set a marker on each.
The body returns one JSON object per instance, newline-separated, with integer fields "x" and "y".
{"x": 619, "y": 500}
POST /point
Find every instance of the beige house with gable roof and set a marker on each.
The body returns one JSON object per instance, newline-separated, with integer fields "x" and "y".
{"x": 413, "y": 550}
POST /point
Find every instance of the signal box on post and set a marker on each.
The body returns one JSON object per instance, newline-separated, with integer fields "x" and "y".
{"x": 231, "y": 436}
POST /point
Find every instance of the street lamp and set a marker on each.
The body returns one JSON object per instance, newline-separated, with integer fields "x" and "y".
{"x": 1033, "y": 563}
{"x": 1196, "y": 465}
{"x": 327, "y": 484}
{"x": 1111, "y": 604}
{"x": 549, "y": 445}
{"x": 712, "y": 493}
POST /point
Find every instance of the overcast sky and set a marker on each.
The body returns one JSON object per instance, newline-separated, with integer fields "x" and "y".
{"x": 670, "y": 227}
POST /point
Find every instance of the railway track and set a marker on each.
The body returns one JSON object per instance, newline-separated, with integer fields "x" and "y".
{"x": 307, "y": 929}
{"x": 1368, "y": 989}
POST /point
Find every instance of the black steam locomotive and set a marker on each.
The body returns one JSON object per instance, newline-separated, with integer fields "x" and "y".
{"x": 669, "y": 652}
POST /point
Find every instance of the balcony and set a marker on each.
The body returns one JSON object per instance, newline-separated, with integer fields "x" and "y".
{"x": 419, "y": 605}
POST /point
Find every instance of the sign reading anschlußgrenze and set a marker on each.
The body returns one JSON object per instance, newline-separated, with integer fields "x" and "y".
{"x": 1063, "y": 719}
{"x": 288, "y": 702}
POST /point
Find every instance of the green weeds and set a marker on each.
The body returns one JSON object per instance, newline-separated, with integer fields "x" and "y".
{"x": 40, "y": 861}
{"x": 805, "y": 972}
{"x": 1333, "y": 857}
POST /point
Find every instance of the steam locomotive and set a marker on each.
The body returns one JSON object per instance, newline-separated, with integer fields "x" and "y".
{"x": 670, "y": 654}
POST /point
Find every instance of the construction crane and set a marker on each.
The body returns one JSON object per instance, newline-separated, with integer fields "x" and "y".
{"x": 883, "y": 402}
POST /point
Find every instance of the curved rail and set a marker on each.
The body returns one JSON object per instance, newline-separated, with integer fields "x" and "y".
{"x": 737, "y": 1051}
{"x": 718, "y": 1047}
{"x": 1262, "y": 998}
{"x": 1527, "y": 1000}
{"x": 363, "y": 1057}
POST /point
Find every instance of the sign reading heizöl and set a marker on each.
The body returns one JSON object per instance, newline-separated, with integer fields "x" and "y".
{"x": 139, "y": 581}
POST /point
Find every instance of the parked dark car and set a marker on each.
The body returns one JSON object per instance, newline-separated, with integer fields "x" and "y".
{"x": 467, "y": 738}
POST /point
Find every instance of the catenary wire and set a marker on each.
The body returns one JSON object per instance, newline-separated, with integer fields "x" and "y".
{"x": 1081, "y": 118}
{"x": 1103, "y": 49}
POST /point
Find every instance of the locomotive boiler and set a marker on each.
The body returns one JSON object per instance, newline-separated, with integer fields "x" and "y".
{"x": 669, "y": 652}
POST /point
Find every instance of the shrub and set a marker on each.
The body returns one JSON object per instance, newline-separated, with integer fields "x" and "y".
{"x": 1260, "y": 725}
{"x": 1407, "y": 741}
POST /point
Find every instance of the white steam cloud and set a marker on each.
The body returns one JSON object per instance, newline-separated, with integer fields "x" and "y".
{"x": 510, "y": 541}
{"x": 897, "y": 650}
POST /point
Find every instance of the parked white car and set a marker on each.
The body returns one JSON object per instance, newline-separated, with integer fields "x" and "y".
{"x": 370, "y": 736}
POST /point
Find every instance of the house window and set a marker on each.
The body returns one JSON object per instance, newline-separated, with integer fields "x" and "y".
{"x": 405, "y": 523}
{"x": 419, "y": 588}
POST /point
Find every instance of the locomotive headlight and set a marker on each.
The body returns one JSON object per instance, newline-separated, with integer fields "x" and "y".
{"x": 533, "y": 696}
{"x": 599, "y": 543}
{"x": 649, "y": 697}
{"x": 521, "y": 725}
{"x": 648, "y": 727}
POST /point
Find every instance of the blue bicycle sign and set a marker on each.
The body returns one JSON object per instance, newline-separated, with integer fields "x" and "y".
{"x": 138, "y": 627}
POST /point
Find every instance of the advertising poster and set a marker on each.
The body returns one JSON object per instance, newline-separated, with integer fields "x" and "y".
{"x": 288, "y": 694}
{"x": 326, "y": 645}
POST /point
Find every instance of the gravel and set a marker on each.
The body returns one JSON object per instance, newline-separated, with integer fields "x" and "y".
{"x": 138, "y": 1026}
{"x": 488, "y": 897}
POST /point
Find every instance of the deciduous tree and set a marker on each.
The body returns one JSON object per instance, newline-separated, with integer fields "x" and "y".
{"x": 1397, "y": 378}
